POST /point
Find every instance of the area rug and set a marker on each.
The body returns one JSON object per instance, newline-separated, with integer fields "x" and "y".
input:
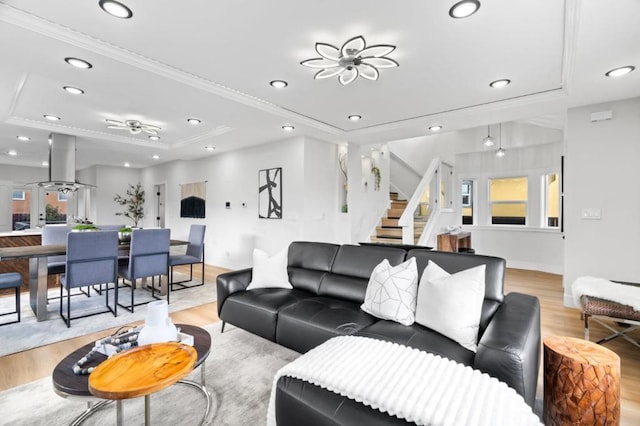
{"x": 239, "y": 374}
{"x": 29, "y": 333}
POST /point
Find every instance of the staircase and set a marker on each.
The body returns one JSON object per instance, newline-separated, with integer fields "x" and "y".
{"x": 389, "y": 232}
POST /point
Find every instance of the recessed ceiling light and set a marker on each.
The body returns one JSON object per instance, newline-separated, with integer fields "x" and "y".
{"x": 620, "y": 71}
{"x": 209, "y": 147}
{"x": 154, "y": 138}
{"x": 116, "y": 9}
{"x": 23, "y": 138}
{"x": 12, "y": 152}
{"x": 464, "y": 8}
{"x": 51, "y": 117}
{"x": 355, "y": 117}
{"x": 126, "y": 164}
{"x": 73, "y": 90}
{"x": 279, "y": 84}
{"x": 500, "y": 83}
{"x": 78, "y": 63}
{"x": 435, "y": 128}
{"x": 155, "y": 156}
{"x": 45, "y": 163}
{"x": 288, "y": 128}
{"x": 194, "y": 121}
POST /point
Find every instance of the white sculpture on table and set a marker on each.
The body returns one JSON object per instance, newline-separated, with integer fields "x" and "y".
{"x": 158, "y": 326}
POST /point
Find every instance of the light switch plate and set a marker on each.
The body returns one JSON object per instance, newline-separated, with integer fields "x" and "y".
{"x": 591, "y": 213}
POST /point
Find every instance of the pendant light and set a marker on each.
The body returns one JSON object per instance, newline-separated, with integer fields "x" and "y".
{"x": 500, "y": 152}
{"x": 488, "y": 141}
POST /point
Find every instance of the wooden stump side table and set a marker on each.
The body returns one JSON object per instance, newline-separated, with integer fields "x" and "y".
{"x": 581, "y": 383}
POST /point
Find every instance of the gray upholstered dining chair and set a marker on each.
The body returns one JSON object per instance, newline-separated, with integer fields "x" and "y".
{"x": 92, "y": 258}
{"x": 148, "y": 257}
{"x": 193, "y": 255}
{"x": 55, "y": 235}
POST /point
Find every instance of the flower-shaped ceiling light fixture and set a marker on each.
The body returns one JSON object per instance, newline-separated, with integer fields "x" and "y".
{"x": 353, "y": 59}
{"x": 133, "y": 126}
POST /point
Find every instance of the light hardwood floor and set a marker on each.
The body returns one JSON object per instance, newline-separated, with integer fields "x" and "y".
{"x": 34, "y": 364}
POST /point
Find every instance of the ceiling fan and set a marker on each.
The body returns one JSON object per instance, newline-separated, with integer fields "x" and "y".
{"x": 133, "y": 126}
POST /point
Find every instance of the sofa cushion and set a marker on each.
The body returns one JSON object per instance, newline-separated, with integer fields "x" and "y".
{"x": 308, "y": 263}
{"x": 419, "y": 337}
{"x": 269, "y": 271}
{"x": 456, "y": 262}
{"x": 301, "y": 403}
{"x": 310, "y": 322}
{"x": 452, "y": 303}
{"x": 352, "y": 268}
{"x": 257, "y": 310}
{"x": 392, "y": 292}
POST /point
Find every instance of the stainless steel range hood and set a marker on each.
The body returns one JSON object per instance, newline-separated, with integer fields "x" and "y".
{"x": 62, "y": 165}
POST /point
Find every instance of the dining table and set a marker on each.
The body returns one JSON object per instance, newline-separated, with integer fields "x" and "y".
{"x": 37, "y": 256}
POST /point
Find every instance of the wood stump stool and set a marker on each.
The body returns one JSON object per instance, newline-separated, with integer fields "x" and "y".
{"x": 581, "y": 383}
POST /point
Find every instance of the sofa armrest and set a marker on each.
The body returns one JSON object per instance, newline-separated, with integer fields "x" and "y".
{"x": 232, "y": 282}
{"x": 509, "y": 349}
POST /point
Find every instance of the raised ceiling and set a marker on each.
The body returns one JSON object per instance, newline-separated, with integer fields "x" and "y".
{"x": 214, "y": 61}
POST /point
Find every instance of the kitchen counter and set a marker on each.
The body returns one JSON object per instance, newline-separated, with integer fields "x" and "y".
{"x": 30, "y": 237}
{"x": 22, "y": 233}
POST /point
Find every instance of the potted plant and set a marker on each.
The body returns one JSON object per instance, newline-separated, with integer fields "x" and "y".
{"x": 83, "y": 227}
{"x": 133, "y": 202}
{"x": 124, "y": 234}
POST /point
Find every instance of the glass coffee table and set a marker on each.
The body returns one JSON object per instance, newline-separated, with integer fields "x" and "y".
{"x": 67, "y": 384}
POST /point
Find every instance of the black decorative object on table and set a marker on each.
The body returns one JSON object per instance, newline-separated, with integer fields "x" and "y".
{"x": 270, "y": 193}
{"x": 120, "y": 340}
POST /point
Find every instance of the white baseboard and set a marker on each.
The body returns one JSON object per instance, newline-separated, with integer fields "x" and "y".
{"x": 551, "y": 269}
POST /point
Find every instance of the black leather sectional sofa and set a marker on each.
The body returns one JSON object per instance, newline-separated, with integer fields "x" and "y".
{"x": 329, "y": 283}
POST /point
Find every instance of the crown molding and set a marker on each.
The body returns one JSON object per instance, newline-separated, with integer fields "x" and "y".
{"x": 64, "y": 34}
{"x": 219, "y": 130}
{"x": 571, "y": 27}
{"x": 77, "y": 131}
{"x": 553, "y": 95}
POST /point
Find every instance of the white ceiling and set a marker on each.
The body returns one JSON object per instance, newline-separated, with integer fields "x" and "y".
{"x": 214, "y": 61}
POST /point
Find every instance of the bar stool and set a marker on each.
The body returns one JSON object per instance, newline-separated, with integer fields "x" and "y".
{"x": 7, "y": 281}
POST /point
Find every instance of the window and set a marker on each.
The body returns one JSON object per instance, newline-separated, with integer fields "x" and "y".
{"x": 508, "y": 198}
{"x": 63, "y": 196}
{"x": 551, "y": 197}
{"x": 20, "y": 210}
{"x": 55, "y": 209}
{"x": 467, "y": 202}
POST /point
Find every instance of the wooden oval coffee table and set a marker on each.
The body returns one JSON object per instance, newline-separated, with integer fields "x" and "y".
{"x": 141, "y": 371}
{"x": 67, "y": 384}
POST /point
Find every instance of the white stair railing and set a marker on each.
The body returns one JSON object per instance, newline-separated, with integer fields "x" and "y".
{"x": 407, "y": 218}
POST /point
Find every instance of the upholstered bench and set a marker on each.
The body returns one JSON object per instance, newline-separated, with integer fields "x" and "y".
{"x": 7, "y": 281}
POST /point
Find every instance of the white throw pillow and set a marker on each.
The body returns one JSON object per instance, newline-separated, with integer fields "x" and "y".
{"x": 391, "y": 292}
{"x": 452, "y": 304}
{"x": 269, "y": 271}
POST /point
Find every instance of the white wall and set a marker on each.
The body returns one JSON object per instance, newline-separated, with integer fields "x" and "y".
{"x": 531, "y": 151}
{"x": 20, "y": 175}
{"x": 602, "y": 172}
{"x": 310, "y": 198}
{"x": 321, "y": 190}
{"x": 528, "y": 247}
{"x": 109, "y": 182}
{"x": 366, "y": 205}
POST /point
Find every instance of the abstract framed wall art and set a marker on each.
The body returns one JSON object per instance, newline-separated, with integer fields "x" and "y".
{"x": 193, "y": 199}
{"x": 270, "y": 193}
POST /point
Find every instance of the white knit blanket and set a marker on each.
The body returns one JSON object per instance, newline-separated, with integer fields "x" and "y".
{"x": 604, "y": 289}
{"x": 408, "y": 383}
